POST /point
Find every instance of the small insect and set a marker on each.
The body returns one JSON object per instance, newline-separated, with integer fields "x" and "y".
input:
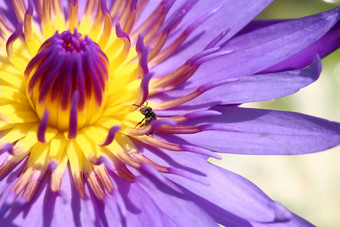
{"x": 148, "y": 113}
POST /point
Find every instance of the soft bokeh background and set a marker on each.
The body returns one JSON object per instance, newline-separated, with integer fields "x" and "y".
{"x": 309, "y": 185}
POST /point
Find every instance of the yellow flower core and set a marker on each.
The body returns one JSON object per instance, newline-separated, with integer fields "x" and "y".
{"x": 68, "y": 63}
{"x": 72, "y": 92}
{"x": 64, "y": 90}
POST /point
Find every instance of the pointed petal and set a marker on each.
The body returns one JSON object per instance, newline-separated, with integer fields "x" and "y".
{"x": 263, "y": 48}
{"x": 48, "y": 208}
{"x": 323, "y": 47}
{"x": 258, "y": 24}
{"x": 234, "y": 15}
{"x": 294, "y": 221}
{"x": 226, "y": 194}
{"x": 170, "y": 199}
{"x": 142, "y": 207}
{"x": 266, "y": 132}
{"x": 256, "y": 87}
{"x": 6, "y": 10}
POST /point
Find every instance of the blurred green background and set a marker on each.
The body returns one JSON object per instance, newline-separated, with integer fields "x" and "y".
{"x": 308, "y": 185}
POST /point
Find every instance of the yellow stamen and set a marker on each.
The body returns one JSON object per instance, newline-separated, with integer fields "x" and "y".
{"x": 73, "y": 16}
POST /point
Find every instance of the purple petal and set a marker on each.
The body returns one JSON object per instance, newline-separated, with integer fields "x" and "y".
{"x": 258, "y": 24}
{"x": 263, "y": 48}
{"x": 7, "y": 11}
{"x": 262, "y": 87}
{"x": 323, "y": 47}
{"x": 234, "y": 14}
{"x": 255, "y": 87}
{"x": 227, "y": 194}
{"x": 141, "y": 207}
{"x": 265, "y": 132}
{"x": 47, "y": 208}
{"x": 171, "y": 200}
{"x": 294, "y": 221}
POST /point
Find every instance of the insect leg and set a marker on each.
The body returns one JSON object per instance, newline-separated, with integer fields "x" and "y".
{"x": 140, "y": 122}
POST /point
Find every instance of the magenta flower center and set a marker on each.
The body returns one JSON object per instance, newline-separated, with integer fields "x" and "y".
{"x": 67, "y": 79}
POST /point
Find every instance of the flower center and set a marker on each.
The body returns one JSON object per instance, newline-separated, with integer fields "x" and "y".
{"x": 66, "y": 80}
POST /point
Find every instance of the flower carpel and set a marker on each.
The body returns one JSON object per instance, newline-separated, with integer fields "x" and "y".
{"x": 67, "y": 63}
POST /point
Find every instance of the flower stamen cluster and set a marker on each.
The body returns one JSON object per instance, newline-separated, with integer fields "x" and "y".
{"x": 82, "y": 86}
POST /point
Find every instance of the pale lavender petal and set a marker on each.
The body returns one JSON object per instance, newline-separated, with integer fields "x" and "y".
{"x": 265, "y": 132}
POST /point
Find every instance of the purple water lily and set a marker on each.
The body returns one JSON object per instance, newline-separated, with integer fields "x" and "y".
{"x": 110, "y": 109}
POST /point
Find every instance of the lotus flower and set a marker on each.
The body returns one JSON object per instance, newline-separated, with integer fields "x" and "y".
{"x": 110, "y": 110}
